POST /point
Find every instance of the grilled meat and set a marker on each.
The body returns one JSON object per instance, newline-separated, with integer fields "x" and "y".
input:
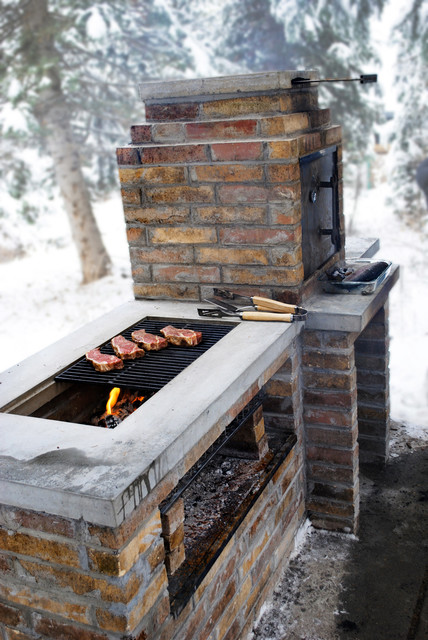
{"x": 181, "y": 337}
{"x": 126, "y": 349}
{"x": 102, "y": 361}
{"x": 148, "y": 341}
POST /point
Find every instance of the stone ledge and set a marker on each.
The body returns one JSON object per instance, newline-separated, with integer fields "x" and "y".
{"x": 222, "y": 85}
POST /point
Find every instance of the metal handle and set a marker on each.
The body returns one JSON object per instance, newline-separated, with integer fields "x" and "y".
{"x": 334, "y": 232}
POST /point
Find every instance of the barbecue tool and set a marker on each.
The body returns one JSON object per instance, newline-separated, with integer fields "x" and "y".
{"x": 224, "y": 308}
{"x": 258, "y": 303}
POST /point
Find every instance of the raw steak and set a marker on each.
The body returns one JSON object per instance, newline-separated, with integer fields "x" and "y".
{"x": 148, "y": 341}
{"x": 126, "y": 349}
{"x": 181, "y": 337}
{"x": 102, "y": 361}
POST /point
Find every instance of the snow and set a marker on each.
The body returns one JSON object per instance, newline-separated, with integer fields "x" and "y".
{"x": 41, "y": 294}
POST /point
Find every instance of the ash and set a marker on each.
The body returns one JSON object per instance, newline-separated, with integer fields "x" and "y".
{"x": 212, "y": 499}
{"x": 340, "y": 587}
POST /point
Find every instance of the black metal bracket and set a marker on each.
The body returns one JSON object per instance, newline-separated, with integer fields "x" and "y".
{"x": 363, "y": 79}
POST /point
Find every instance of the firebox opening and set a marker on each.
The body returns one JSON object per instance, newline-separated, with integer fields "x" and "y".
{"x": 206, "y": 508}
{"x": 95, "y": 405}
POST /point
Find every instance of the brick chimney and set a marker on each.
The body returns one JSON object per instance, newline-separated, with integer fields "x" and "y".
{"x": 211, "y": 186}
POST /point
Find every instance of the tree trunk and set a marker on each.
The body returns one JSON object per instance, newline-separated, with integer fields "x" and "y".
{"x": 53, "y": 115}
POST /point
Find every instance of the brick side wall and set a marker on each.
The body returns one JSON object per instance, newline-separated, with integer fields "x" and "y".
{"x": 372, "y": 360}
{"x": 212, "y": 198}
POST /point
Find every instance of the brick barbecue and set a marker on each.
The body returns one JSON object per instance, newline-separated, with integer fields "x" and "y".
{"x": 100, "y": 533}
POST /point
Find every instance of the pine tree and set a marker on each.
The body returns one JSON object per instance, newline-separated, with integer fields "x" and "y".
{"x": 76, "y": 92}
{"x": 410, "y": 146}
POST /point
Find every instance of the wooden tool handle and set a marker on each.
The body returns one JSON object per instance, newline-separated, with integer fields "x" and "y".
{"x": 264, "y": 316}
{"x": 266, "y": 304}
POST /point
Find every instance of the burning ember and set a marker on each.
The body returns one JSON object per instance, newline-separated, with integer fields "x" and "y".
{"x": 120, "y": 404}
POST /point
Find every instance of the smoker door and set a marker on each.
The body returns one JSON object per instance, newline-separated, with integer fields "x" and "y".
{"x": 320, "y": 213}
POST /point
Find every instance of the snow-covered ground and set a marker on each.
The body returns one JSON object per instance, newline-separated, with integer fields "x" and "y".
{"x": 41, "y": 298}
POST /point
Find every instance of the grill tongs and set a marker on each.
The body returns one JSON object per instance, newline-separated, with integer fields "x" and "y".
{"x": 262, "y": 309}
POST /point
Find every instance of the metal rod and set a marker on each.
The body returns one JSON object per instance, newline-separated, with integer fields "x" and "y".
{"x": 363, "y": 79}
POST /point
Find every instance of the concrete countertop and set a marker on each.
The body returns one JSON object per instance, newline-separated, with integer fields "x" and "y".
{"x": 77, "y": 470}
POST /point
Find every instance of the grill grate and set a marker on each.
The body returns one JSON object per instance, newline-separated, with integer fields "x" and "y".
{"x": 157, "y": 368}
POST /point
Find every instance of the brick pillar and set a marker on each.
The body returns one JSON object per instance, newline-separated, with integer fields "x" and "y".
{"x": 283, "y": 407}
{"x": 331, "y": 427}
{"x": 372, "y": 360}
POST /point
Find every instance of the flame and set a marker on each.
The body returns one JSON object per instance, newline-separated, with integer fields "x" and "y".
{"x": 138, "y": 399}
{"x": 112, "y": 399}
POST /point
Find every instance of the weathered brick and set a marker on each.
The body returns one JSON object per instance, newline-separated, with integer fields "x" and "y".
{"x": 112, "y": 621}
{"x": 157, "y": 215}
{"x": 319, "y": 118}
{"x": 335, "y": 492}
{"x": 44, "y": 601}
{"x": 262, "y": 275}
{"x": 185, "y": 274}
{"x": 10, "y": 615}
{"x": 220, "y": 129}
{"x": 326, "y": 380}
{"x": 131, "y": 196}
{"x": 173, "y": 518}
{"x": 232, "y": 107}
{"x": 155, "y": 175}
{"x": 330, "y": 507}
{"x": 141, "y": 133}
{"x": 168, "y": 132}
{"x": 333, "y": 473}
{"x": 224, "y": 255}
{"x": 13, "y": 518}
{"x": 227, "y": 173}
{"x": 171, "y": 291}
{"x": 241, "y": 193}
{"x": 327, "y": 416}
{"x": 177, "y": 154}
{"x": 339, "y": 399}
{"x": 183, "y": 235}
{"x": 283, "y": 172}
{"x": 288, "y": 212}
{"x": 45, "y": 549}
{"x": 258, "y": 235}
{"x": 82, "y": 584}
{"x": 283, "y": 149}
{"x": 127, "y": 155}
{"x": 283, "y": 125}
{"x": 136, "y": 235}
{"x": 338, "y": 339}
{"x": 325, "y": 360}
{"x": 218, "y": 609}
{"x": 153, "y": 255}
{"x": 332, "y": 437}
{"x": 309, "y": 142}
{"x": 63, "y": 631}
{"x": 174, "y": 539}
{"x": 283, "y": 192}
{"x": 333, "y": 135}
{"x": 174, "y": 195}
{"x": 226, "y": 215}
{"x": 337, "y": 456}
{"x": 180, "y": 111}
{"x": 232, "y": 151}
{"x": 301, "y": 100}
{"x": 174, "y": 559}
{"x": 118, "y": 563}
{"x": 286, "y": 257}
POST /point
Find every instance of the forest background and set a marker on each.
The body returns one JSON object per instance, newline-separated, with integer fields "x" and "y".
{"x": 69, "y": 76}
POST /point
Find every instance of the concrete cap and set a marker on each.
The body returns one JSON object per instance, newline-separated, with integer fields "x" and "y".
{"x": 222, "y": 85}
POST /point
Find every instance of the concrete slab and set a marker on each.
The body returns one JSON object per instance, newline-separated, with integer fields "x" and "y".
{"x": 346, "y": 312}
{"x": 222, "y": 85}
{"x": 77, "y": 470}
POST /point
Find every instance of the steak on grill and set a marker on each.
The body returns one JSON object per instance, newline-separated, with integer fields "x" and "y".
{"x": 126, "y": 349}
{"x": 181, "y": 337}
{"x": 148, "y": 341}
{"x": 102, "y": 361}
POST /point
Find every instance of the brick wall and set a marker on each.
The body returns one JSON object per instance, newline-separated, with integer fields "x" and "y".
{"x": 74, "y": 580}
{"x": 211, "y": 193}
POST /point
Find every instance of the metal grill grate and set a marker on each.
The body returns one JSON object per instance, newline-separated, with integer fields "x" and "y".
{"x": 157, "y": 368}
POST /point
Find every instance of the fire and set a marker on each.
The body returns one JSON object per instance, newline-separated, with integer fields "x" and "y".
{"x": 112, "y": 399}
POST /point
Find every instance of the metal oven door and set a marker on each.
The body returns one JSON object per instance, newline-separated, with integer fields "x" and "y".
{"x": 320, "y": 211}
